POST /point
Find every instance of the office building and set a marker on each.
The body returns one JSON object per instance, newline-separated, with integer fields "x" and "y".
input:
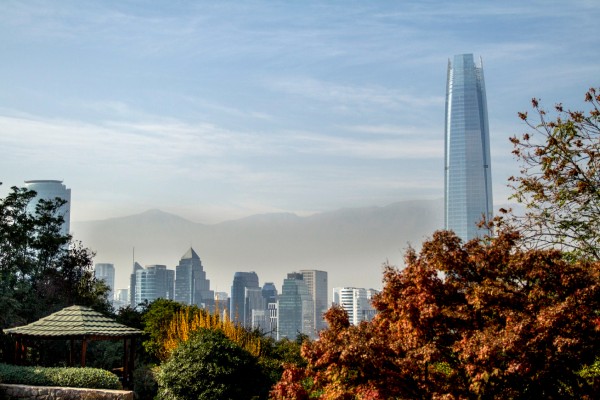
{"x": 356, "y": 302}
{"x": 222, "y": 304}
{"x": 295, "y": 309}
{"x": 316, "y": 282}
{"x": 191, "y": 285}
{"x": 255, "y": 308}
{"x": 468, "y": 182}
{"x": 106, "y": 273}
{"x": 269, "y": 292}
{"x": 50, "y": 190}
{"x": 272, "y": 315}
{"x": 121, "y": 298}
{"x": 132, "y": 286}
{"x": 154, "y": 282}
{"x": 237, "y": 305}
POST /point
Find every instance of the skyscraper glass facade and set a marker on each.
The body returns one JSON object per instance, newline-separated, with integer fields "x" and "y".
{"x": 50, "y": 190}
{"x": 106, "y": 273}
{"x": 237, "y": 305}
{"x": 191, "y": 285}
{"x": 316, "y": 281}
{"x": 154, "y": 282}
{"x": 295, "y": 308}
{"x": 468, "y": 182}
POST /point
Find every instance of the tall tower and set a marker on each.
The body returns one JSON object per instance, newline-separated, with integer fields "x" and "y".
{"x": 154, "y": 282}
{"x": 191, "y": 285}
{"x": 316, "y": 281}
{"x": 237, "y": 305}
{"x": 132, "y": 284}
{"x": 50, "y": 190}
{"x": 295, "y": 308}
{"x": 468, "y": 181}
{"x": 106, "y": 272}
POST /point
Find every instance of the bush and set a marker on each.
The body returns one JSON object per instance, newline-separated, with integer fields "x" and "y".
{"x": 145, "y": 386}
{"x": 91, "y": 378}
{"x": 211, "y": 366}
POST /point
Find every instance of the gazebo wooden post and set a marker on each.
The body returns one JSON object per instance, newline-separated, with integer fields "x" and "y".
{"x": 18, "y": 351}
{"x": 72, "y": 352}
{"x": 83, "y": 350}
{"x": 125, "y": 360}
{"x": 131, "y": 360}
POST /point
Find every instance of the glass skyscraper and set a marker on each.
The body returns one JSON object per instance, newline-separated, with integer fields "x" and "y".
{"x": 295, "y": 309}
{"x": 468, "y": 182}
{"x": 50, "y": 190}
{"x": 237, "y": 305}
{"x": 191, "y": 285}
{"x": 106, "y": 272}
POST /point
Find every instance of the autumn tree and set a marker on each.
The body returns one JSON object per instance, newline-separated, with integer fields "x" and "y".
{"x": 559, "y": 181}
{"x": 486, "y": 319}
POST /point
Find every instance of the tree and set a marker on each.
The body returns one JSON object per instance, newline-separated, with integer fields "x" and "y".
{"x": 485, "y": 319}
{"x": 156, "y": 319}
{"x": 210, "y": 366}
{"x": 41, "y": 270}
{"x": 559, "y": 181}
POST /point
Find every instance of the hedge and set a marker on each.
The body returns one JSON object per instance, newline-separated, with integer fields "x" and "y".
{"x": 91, "y": 378}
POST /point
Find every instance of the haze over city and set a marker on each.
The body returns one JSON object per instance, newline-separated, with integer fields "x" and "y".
{"x": 219, "y": 111}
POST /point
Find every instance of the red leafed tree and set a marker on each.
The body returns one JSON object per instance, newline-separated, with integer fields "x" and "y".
{"x": 478, "y": 320}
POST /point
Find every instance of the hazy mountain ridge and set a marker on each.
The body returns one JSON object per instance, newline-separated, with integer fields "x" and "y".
{"x": 351, "y": 244}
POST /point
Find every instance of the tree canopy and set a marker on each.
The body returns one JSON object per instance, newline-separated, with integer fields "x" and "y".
{"x": 41, "y": 270}
{"x": 475, "y": 320}
{"x": 210, "y": 366}
{"x": 559, "y": 181}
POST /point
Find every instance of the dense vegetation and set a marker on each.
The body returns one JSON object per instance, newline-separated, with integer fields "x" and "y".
{"x": 41, "y": 270}
{"x": 92, "y": 378}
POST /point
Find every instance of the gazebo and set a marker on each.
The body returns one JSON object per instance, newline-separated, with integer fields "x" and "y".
{"x": 77, "y": 323}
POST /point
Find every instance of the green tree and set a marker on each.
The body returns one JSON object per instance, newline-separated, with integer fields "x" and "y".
{"x": 41, "y": 270}
{"x": 211, "y": 366}
{"x": 559, "y": 181}
{"x": 156, "y": 319}
{"x": 485, "y": 319}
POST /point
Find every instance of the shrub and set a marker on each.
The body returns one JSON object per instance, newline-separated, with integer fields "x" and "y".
{"x": 211, "y": 366}
{"x": 145, "y": 386}
{"x": 91, "y": 378}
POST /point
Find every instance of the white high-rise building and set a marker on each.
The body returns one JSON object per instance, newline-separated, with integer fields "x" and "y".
{"x": 106, "y": 272}
{"x": 356, "y": 302}
{"x": 316, "y": 281}
{"x": 50, "y": 190}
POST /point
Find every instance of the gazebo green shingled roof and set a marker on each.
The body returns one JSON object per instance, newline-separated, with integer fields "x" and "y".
{"x": 75, "y": 321}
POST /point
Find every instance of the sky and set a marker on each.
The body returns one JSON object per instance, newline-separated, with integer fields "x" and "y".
{"x": 219, "y": 110}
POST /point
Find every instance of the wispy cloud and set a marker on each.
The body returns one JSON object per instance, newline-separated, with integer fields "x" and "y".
{"x": 336, "y": 93}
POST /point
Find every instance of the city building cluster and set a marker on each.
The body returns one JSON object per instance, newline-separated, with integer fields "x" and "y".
{"x": 297, "y": 309}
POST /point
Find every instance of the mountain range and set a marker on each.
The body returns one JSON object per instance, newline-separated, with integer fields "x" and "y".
{"x": 351, "y": 244}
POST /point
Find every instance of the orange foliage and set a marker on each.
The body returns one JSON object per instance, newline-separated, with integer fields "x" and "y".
{"x": 191, "y": 319}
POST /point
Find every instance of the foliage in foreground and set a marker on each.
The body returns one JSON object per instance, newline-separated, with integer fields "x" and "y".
{"x": 476, "y": 320}
{"x": 559, "y": 181}
{"x": 41, "y": 270}
{"x": 91, "y": 378}
{"x": 187, "y": 321}
{"x": 211, "y": 366}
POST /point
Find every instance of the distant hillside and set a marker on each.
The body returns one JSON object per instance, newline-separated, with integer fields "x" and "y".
{"x": 351, "y": 244}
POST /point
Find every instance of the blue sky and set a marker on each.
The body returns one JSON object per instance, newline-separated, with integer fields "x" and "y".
{"x": 218, "y": 110}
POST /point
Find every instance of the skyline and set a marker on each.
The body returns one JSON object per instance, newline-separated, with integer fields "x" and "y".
{"x": 220, "y": 111}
